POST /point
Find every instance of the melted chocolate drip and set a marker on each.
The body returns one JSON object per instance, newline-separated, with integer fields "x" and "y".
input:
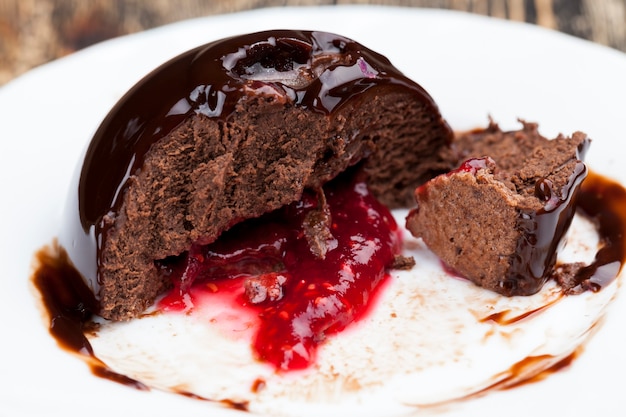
{"x": 544, "y": 230}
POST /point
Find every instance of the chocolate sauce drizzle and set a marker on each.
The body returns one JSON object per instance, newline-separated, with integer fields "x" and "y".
{"x": 604, "y": 202}
{"x": 69, "y": 302}
{"x": 70, "y": 305}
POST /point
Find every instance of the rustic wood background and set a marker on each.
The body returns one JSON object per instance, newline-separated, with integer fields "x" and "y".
{"x": 33, "y": 32}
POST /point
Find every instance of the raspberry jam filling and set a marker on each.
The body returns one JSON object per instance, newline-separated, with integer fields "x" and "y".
{"x": 308, "y": 270}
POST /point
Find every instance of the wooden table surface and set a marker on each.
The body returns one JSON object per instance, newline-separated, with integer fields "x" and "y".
{"x": 33, "y": 32}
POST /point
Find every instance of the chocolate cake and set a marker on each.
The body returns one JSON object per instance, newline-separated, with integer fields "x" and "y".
{"x": 229, "y": 131}
{"x": 498, "y": 219}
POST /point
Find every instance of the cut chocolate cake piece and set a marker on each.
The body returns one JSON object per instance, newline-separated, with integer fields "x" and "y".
{"x": 232, "y": 130}
{"x": 499, "y": 218}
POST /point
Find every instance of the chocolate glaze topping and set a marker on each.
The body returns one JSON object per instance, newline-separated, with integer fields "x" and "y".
{"x": 321, "y": 74}
{"x": 545, "y": 228}
{"x": 316, "y": 70}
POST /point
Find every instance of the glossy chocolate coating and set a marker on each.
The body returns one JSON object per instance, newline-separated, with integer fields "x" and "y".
{"x": 543, "y": 232}
{"x": 315, "y": 70}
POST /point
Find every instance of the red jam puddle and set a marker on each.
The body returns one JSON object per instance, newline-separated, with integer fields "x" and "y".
{"x": 307, "y": 270}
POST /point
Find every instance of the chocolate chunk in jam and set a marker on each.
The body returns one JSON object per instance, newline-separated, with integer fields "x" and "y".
{"x": 264, "y": 287}
{"x": 317, "y": 228}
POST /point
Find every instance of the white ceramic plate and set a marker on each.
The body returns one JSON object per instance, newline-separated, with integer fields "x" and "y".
{"x": 472, "y": 66}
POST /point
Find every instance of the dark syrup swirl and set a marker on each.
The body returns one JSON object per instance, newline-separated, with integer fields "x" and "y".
{"x": 604, "y": 202}
{"x": 66, "y": 298}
